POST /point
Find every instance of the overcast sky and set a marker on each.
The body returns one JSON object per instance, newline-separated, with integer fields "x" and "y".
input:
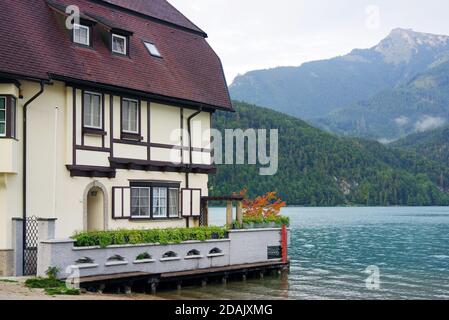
{"x": 260, "y": 34}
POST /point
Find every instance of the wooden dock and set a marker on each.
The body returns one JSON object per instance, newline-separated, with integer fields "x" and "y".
{"x": 152, "y": 280}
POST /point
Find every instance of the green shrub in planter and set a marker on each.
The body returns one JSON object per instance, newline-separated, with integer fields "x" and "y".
{"x": 143, "y": 256}
{"x": 265, "y": 222}
{"x": 283, "y": 220}
{"x": 236, "y": 225}
{"x": 148, "y": 236}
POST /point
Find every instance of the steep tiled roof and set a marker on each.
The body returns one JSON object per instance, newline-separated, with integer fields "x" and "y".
{"x": 159, "y": 9}
{"x": 35, "y": 43}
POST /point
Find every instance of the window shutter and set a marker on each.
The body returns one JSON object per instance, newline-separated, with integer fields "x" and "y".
{"x": 196, "y": 203}
{"x": 185, "y": 202}
{"x": 191, "y": 202}
{"x": 121, "y": 202}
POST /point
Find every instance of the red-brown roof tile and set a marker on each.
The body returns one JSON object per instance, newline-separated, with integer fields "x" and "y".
{"x": 36, "y": 44}
{"x": 159, "y": 9}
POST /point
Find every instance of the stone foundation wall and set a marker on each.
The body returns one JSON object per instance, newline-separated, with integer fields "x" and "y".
{"x": 6, "y": 263}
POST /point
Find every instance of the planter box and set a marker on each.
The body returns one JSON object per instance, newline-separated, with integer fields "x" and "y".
{"x": 62, "y": 254}
{"x": 242, "y": 247}
{"x": 263, "y": 225}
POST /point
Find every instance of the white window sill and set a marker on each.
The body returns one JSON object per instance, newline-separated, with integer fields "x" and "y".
{"x": 170, "y": 259}
{"x": 194, "y": 257}
{"x": 143, "y": 261}
{"x": 213, "y": 255}
{"x": 85, "y": 265}
{"x": 116, "y": 263}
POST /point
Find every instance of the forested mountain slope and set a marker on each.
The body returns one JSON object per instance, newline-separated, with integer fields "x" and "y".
{"x": 320, "y": 169}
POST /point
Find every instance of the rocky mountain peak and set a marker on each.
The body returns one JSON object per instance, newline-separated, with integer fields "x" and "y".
{"x": 402, "y": 44}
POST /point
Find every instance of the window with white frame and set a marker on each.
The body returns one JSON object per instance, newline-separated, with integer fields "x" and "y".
{"x": 12, "y": 123}
{"x": 159, "y": 202}
{"x": 154, "y": 201}
{"x": 8, "y": 117}
{"x": 140, "y": 202}
{"x": 130, "y": 116}
{"x": 119, "y": 44}
{"x": 81, "y": 34}
{"x": 2, "y": 116}
{"x": 93, "y": 111}
{"x": 173, "y": 202}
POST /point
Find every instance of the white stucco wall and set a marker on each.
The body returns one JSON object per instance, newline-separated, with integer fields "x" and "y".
{"x": 10, "y": 173}
{"x": 52, "y": 192}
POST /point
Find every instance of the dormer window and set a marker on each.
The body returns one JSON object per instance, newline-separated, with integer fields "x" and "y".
{"x": 81, "y": 34}
{"x": 119, "y": 44}
{"x": 152, "y": 49}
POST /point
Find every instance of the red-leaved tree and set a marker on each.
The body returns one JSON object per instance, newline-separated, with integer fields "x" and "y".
{"x": 268, "y": 205}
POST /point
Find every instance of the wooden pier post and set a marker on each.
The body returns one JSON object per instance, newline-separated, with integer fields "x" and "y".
{"x": 153, "y": 287}
{"x": 128, "y": 290}
{"x": 229, "y": 218}
{"x": 240, "y": 213}
{"x": 224, "y": 280}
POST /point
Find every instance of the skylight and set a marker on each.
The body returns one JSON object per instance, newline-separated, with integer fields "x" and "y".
{"x": 152, "y": 49}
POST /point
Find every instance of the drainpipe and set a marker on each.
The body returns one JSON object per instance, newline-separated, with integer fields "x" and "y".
{"x": 189, "y": 129}
{"x": 55, "y": 157}
{"x": 24, "y": 165}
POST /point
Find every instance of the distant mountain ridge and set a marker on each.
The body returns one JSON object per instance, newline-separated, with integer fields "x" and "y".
{"x": 419, "y": 106}
{"x": 354, "y": 84}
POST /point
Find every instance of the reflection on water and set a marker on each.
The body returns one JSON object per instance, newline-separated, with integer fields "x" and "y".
{"x": 332, "y": 247}
{"x": 251, "y": 289}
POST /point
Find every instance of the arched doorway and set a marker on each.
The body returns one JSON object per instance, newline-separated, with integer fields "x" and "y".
{"x": 95, "y": 207}
{"x": 95, "y": 214}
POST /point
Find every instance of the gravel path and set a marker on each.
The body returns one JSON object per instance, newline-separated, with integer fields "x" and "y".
{"x": 14, "y": 289}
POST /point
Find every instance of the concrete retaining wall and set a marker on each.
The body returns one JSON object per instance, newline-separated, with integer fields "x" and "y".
{"x": 242, "y": 247}
{"x": 250, "y": 246}
{"x": 62, "y": 254}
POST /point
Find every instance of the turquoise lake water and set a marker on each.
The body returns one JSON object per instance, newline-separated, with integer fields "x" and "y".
{"x": 332, "y": 247}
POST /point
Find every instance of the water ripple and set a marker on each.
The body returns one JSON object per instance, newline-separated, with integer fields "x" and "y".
{"x": 332, "y": 247}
